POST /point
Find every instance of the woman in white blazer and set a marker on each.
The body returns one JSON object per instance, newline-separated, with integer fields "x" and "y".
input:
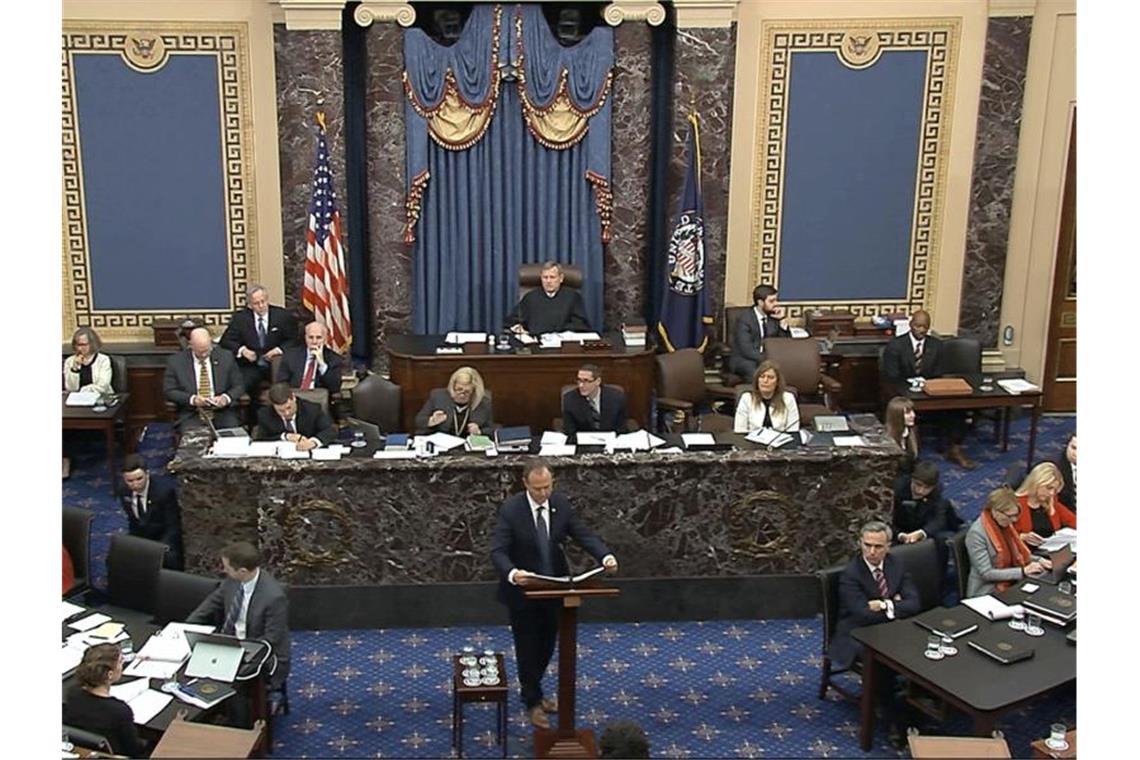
{"x": 767, "y": 405}
{"x": 87, "y": 369}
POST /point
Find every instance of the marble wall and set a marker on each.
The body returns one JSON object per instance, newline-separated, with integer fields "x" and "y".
{"x": 705, "y": 61}
{"x": 991, "y": 194}
{"x": 309, "y": 67}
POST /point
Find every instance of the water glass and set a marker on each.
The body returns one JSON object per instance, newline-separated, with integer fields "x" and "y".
{"x": 1033, "y": 625}
{"x": 948, "y": 647}
{"x": 1017, "y": 622}
{"x": 934, "y": 647}
{"x": 1065, "y": 587}
{"x": 1057, "y": 740}
{"x": 358, "y": 441}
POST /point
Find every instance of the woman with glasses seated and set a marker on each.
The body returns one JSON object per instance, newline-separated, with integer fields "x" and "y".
{"x": 87, "y": 369}
{"x": 767, "y": 405}
{"x": 91, "y": 707}
{"x": 1042, "y": 513}
{"x": 462, "y": 408}
{"x": 998, "y": 556}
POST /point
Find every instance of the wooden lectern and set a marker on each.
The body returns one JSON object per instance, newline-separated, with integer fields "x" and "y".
{"x": 566, "y": 740}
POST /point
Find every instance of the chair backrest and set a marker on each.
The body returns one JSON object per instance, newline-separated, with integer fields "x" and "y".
{"x": 957, "y": 545}
{"x": 274, "y": 367}
{"x": 921, "y": 561}
{"x": 961, "y": 356}
{"x": 799, "y": 362}
{"x": 681, "y": 375}
{"x": 377, "y": 400}
{"x": 530, "y": 277}
{"x": 77, "y": 539}
{"x": 829, "y": 601}
{"x": 316, "y": 395}
{"x": 81, "y": 737}
{"x": 133, "y": 565}
{"x": 180, "y": 593}
{"x": 728, "y": 324}
{"x": 118, "y": 373}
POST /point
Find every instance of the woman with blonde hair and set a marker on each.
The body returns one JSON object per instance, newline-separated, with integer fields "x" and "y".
{"x": 1042, "y": 513}
{"x": 91, "y": 707}
{"x": 767, "y": 404}
{"x": 87, "y": 369}
{"x": 998, "y": 556}
{"x": 463, "y": 408}
{"x": 900, "y": 422}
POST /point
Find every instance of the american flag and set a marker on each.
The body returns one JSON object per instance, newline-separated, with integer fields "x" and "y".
{"x": 326, "y": 286}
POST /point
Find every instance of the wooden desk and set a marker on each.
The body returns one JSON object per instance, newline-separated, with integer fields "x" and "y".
{"x": 1040, "y": 750}
{"x": 184, "y": 739}
{"x": 995, "y": 399}
{"x": 527, "y": 388}
{"x": 85, "y": 418}
{"x": 462, "y": 694}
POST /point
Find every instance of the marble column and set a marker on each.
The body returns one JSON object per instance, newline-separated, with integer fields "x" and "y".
{"x": 390, "y": 259}
{"x": 991, "y": 194}
{"x": 309, "y": 69}
{"x": 705, "y": 62}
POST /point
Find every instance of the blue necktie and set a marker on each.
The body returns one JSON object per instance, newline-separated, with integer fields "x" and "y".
{"x": 261, "y": 332}
{"x": 543, "y": 542}
{"x": 233, "y": 611}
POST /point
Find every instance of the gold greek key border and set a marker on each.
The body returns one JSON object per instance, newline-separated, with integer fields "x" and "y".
{"x": 940, "y": 39}
{"x": 228, "y": 44}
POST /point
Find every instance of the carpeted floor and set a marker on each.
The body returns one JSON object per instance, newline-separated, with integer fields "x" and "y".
{"x": 743, "y": 688}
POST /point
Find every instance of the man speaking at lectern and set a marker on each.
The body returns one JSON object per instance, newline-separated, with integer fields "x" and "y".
{"x": 528, "y": 539}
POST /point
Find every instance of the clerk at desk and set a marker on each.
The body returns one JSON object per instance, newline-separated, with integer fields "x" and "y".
{"x": 552, "y": 308}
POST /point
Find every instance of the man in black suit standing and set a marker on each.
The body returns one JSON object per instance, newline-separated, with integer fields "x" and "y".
{"x": 919, "y": 354}
{"x": 766, "y": 320}
{"x": 294, "y": 419}
{"x": 250, "y": 604}
{"x": 873, "y": 588}
{"x": 528, "y": 538}
{"x": 256, "y": 335}
{"x": 202, "y": 382}
{"x": 313, "y": 365}
{"x": 593, "y": 406}
{"x": 152, "y": 509}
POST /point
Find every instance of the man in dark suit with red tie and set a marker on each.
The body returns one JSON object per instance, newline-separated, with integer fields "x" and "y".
{"x": 528, "y": 538}
{"x": 593, "y": 406}
{"x": 765, "y": 320}
{"x": 257, "y": 334}
{"x": 152, "y": 509}
{"x": 313, "y": 365}
{"x": 289, "y": 418}
{"x": 873, "y": 588}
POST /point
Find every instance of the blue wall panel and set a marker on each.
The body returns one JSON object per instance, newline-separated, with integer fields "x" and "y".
{"x": 850, "y": 163}
{"x": 153, "y": 183}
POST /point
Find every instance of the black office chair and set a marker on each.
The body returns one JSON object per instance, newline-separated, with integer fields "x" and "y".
{"x": 921, "y": 561}
{"x": 829, "y": 602}
{"x": 81, "y": 737}
{"x": 530, "y": 277}
{"x": 118, "y": 373}
{"x": 957, "y": 546}
{"x": 179, "y": 594}
{"x": 133, "y": 565}
{"x": 377, "y": 400}
{"x": 77, "y": 540}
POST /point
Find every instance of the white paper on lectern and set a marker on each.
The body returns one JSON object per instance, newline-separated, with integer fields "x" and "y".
{"x": 262, "y": 449}
{"x": 289, "y": 450}
{"x": 465, "y": 337}
{"x": 231, "y": 447}
{"x": 596, "y": 437}
{"x": 553, "y": 438}
{"x": 557, "y": 450}
{"x": 441, "y": 441}
{"x": 638, "y": 440}
{"x": 326, "y": 454}
{"x": 698, "y": 439}
{"x": 570, "y": 336}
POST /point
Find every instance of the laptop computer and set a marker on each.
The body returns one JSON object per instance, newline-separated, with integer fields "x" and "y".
{"x": 1061, "y": 560}
{"x": 830, "y": 423}
{"x": 372, "y": 433}
{"x": 216, "y": 433}
{"x": 214, "y": 656}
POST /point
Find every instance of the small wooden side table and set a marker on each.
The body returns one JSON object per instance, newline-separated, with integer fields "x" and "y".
{"x": 462, "y": 694}
{"x": 1041, "y": 751}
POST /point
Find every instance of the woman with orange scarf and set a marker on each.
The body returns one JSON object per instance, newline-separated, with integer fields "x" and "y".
{"x": 998, "y": 556}
{"x": 1042, "y": 513}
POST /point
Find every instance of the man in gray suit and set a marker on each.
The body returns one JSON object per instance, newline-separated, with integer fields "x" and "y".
{"x": 250, "y": 604}
{"x": 202, "y": 382}
{"x": 766, "y": 320}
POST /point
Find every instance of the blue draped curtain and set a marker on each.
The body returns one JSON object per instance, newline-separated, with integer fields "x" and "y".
{"x": 484, "y": 193}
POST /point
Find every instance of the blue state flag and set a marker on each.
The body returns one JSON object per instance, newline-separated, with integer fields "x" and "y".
{"x": 684, "y": 307}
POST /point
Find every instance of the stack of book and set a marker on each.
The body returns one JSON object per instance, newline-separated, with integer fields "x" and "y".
{"x": 633, "y": 332}
{"x": 513, "y": 439}
{"x": 1054, "y": 606}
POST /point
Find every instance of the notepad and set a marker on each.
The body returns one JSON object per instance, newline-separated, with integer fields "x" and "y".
{"x": 89, "y": 622}
{"x": 596, "y": 437}
{"x": 82, "y": 398}
{"x": 557, "y": 450}
{"x": 638, "y": 440}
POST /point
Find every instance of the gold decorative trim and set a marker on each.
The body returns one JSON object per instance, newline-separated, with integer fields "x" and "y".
{"x": 859, "y": 50}
{"x": 145, "y": 52}
{"x": 1000, "y": 8}
{"x": 618, "y": 12}
{"x": 705, "y": 14}
{"x": 414, "y": 205}
{"x": 228, "y": 44}
{"x": 940, "y": 39}
{"x": 384, "y": 10}
{"x": 311, "y": 14}
{"x": 603, "y": 202}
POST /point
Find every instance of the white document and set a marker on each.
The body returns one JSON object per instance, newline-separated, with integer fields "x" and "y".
{"x": 326, "y": 454}
{"x": 550, "y": 340}
{"x": 991, "y": 607}
{"x": 638, "y": 440}
{"x": 596, "y": 437}
{"x": 128, "y": 690}
{"x": 231, "y": 447}
{"x": 397, "y": 454}
{"x": 289, "y": 450}
{"x": 1060, "y": 539}
{"x": 698, "y": 439}
{"x": 526, "y": 339}
{"x": 553, "y": 438}
{"x": 152, "y": 668}
{"x": 148, "y": 704}
{"x": 70, "y": 609}
{"x": 670, "y": 450}
{"x": 849, "y": 440}
{"x": 179, "y": 629}
{"x": 72, "y": 656}
{"x": 799, "y": 332}
{"x": 1016, "y": 385}
{"x": 161, "y": 646}
{"x": 89, "y": 622}
{"x": 557, "y": 450}
{"x": 82, "y": 398}
{"x": 262, "y": 449}
{"x": 769, "y": 437}
{"x": 441, "y": 441}
{"x": 570, "y": 336}
{"x": 465, "y": 337}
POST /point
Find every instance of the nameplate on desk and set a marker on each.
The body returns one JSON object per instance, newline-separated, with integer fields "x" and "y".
{"x": 449, "y": 349}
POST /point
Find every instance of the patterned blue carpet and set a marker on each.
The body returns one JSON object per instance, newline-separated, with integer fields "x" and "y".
{"x": 744, "y": 688}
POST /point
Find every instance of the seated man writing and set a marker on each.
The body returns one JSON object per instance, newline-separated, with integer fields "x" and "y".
{"x": 551, "y": 308}
{"x": 294, "y": 419}
{"x": 593, "y": 406}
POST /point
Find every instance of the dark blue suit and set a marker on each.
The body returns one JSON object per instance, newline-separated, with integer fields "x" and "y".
{"x": 857, "y": 587}
{"x": 515, "y": 545}
{"x": 161, "y": 519}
